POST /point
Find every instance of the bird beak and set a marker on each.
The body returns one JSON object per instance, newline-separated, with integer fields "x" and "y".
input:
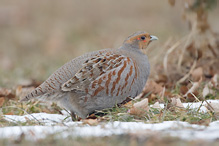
{"x": 153, "y": 38}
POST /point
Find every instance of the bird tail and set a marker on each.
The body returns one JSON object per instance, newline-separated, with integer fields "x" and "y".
{"x": 33, "y": 94}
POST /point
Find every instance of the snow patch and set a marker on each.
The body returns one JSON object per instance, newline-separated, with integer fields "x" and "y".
{"x": 62, "y": 126}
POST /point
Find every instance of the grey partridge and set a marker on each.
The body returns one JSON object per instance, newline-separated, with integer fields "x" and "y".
{"x": 100, "y": 79}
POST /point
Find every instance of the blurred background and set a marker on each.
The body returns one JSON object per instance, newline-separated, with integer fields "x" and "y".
{"x": 37, "y": 37}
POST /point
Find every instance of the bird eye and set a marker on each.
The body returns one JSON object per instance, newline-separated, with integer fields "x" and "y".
{"x": 143, "y": 37}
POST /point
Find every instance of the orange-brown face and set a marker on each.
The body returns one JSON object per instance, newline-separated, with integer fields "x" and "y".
{"x": 141, "y": 41}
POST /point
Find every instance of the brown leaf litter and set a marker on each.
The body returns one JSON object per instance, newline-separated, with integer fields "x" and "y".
{"x": 140, "y": 108}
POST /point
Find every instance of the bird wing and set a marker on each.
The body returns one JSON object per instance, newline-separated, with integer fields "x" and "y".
{"x": 60, "y": 76}
{"x": 107, "y": 72}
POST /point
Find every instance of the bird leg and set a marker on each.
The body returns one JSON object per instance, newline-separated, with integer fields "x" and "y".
{"x": 73, "y": 116}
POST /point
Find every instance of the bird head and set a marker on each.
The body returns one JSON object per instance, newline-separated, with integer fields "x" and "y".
{"x": 139, "y": 40}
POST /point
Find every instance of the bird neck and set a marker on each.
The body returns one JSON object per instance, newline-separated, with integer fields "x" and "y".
{"x": 130, "y": 47}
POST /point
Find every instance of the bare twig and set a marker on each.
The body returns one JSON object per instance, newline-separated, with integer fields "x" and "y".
{"x": 187, "y": 43}
{"x": 187, "y": 75}
{"x": 167, "y": 54}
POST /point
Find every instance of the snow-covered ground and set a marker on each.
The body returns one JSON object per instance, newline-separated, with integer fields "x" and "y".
{"x": 61, "y": 126}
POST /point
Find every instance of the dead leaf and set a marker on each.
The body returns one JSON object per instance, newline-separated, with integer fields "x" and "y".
{"x": 9, "y": 113}
{"x": 156, "y": 105}
{"x": 177, "y": 102}
{"x": 194, "y": 87}
{"x": 141, "y": 95}
{"x": 183, "y": 89}
{"x": 92, "y": 116}
{"x": 197, "y": 74}
{"x": 208, "y": 87}
{"x": 152, "y": 97}
{"x": 168, "y": 94}
{"x": 153, "y": 87}
{"x": 161, "y": 79}
{"x": 192, "y": 96}
{"x": 204, "y": 122}
{"x": 214, "y": 80}
{"x": 2, "y": 100}
{"x": 206, "y": 91}
{"x": 21, "y": 91}
{"x": 6, "y": 93}
{"x": 214, "y": 107}
{"x": 91, "y": 122}
{"x": 140, "y": 108}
